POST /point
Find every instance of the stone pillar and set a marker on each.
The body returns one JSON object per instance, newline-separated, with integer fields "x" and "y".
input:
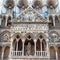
{"x": 54, "y": 21}
{"x": 2, "y": 53}
{"x": 56, "y": 54}
{"x": 0, "y": 21}
{"x": 17, "y": 46}
{"x": 23, "y": 40}
{"x": 6, "y": 22}
{"x": 41, "y": 46}
{"x": 11, "y": 47}
{"x": 35, "y": 46}
{"x": 48, "y": 54}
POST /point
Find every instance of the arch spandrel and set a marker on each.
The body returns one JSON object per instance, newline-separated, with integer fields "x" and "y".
{"x": 5, "y": 36}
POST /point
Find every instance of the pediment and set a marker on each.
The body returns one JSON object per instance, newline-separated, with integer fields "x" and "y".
{"x": 30, "y": 15}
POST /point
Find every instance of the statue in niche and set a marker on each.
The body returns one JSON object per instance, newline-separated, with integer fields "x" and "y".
{"x": 28, "y": 49}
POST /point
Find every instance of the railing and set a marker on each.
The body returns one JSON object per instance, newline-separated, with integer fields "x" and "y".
{"x": 38, "y": 53}
{"x": 16, "y": 53}
{"x": 41, "y": 53}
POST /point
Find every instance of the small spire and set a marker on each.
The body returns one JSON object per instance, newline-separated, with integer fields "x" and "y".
{"x": 30, "y": 3}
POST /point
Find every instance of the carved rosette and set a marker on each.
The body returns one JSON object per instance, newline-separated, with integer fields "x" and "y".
{"x": 9, "y": 4}
{"x": 52, "y": 4}
{"x": 22, "y": 4}
{"x": 37, "y": 4}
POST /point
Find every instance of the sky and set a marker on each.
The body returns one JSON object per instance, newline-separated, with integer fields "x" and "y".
{"x": 28, "y": 0}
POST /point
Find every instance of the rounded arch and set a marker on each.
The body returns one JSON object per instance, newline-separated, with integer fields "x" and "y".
{"x": 0, "y": 51}
{"x": 52, "y": 53}
{"x": 6, "y": 52}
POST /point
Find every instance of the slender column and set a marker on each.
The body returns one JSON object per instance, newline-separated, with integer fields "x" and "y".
{"x": 41, "y": 46}
{"x": 2, "y": 53}
{"x": 56, "y": 54}
{"x": 54, "y": 21}
{"x": 10, "y": 50}
{"x": 35, "y": 46}
{"x": 11, "y": 47}
{"x": 47, "y": 49}
{"x": 17, "y": 46}
{"x": 6, "y": 21}
{"x": 0, "y": 21}
{"x": 23, "y": 47}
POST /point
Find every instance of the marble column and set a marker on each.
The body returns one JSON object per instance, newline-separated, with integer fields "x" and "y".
{"x": 47, "y": 49}
{"x": 2, "y": 56}
{"x": 56, "y": 54}
{"x": 23, "y": 40}
{"x": 54, "y": 21}
{"x": 11, "y": 47}
{"x": 6, "y": 21}
{"x": 41, "y": 46}
{"x": 0, "y": 21}
{"x": 35, "y": 46}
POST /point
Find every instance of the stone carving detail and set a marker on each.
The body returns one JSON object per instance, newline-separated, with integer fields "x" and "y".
{"x": 5, "y": 37}
{"x": 30, "y": 15}
{"x": 28, "y": 48}
{"x": 30, "y": 27}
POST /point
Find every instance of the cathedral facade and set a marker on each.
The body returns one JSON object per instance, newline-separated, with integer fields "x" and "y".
{"x": 30, "y": 30}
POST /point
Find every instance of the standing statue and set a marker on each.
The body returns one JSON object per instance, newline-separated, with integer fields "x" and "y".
{"x": 28, "y": 49}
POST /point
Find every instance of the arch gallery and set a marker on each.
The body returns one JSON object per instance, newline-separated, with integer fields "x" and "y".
{"x": 30, "y": 30}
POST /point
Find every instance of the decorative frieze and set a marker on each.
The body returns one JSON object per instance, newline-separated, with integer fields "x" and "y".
{"x": 23, "y": 27}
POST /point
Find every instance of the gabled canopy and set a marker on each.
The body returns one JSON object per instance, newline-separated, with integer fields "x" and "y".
{"x": 30, "y": 15}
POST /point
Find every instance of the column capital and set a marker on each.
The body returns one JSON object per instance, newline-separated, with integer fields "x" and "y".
{"x": 23, "y": 40}
{"x": 35, "y": 40}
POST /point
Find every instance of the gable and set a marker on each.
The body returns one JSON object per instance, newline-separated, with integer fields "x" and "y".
{"x": 30, "y": 15}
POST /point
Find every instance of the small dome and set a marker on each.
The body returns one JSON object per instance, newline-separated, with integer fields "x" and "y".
{"x": 22, "y": 4}
{"x": 37, "y": 4}
{"x": 52, "y": 3}
{"x": 9, "y": 4}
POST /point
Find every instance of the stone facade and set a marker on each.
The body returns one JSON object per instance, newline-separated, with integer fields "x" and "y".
{"x": 30, "y": 33}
